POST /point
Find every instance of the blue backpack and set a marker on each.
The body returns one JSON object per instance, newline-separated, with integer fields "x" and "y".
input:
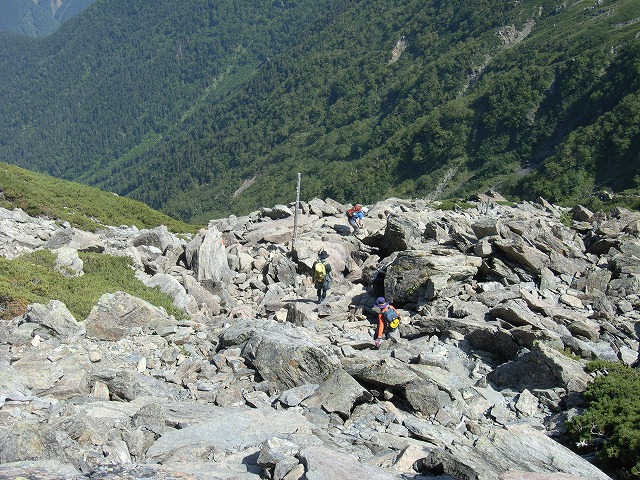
{"x": 391, "y": 318}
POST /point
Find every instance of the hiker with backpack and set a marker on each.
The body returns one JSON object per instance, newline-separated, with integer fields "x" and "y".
{"x": 355, "y": 217}
{"x": 388, "y": 320}
{"x": 322, "y": 275}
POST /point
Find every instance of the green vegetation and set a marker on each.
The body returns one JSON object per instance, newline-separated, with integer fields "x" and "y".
{"x": 630, "y": 201}
{"x": 179, "y": 105}
{"x": 82, "y": 206}
{"x": 611, "y": 423}
{"x": 453, "y": 204}
{"x": 31, "y": 279}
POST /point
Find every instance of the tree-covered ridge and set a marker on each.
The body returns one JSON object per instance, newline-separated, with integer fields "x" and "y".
{"x": 181, "y": 105}
{"x": 80, "y": 205}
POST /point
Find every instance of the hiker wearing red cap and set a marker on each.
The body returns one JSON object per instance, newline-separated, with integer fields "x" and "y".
{"x": 388, "y": 319}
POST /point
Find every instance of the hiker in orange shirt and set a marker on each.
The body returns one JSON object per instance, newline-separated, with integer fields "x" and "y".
{"x": 388, "y": 320}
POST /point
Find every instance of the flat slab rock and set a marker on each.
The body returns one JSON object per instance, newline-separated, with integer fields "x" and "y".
{"x": 230, "y": 430}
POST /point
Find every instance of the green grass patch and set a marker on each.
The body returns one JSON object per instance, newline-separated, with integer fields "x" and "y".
{"x": 31, "y": 279}
{"x": 611, "y": 423}
{"x": 82, "y": 206}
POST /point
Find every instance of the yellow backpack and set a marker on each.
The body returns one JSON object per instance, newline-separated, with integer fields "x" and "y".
{"x": 319, "y": 272}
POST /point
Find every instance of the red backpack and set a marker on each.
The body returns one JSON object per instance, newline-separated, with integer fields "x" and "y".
{"x": 353, "y": 210}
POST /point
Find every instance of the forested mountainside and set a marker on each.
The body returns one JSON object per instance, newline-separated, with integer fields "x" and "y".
{"x": 24, "y": 17}
{"x": 203, "y": 108}
{"x": 38, "y": 18}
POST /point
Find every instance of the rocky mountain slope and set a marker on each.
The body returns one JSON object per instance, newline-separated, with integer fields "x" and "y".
{"x": 262, "y": 382}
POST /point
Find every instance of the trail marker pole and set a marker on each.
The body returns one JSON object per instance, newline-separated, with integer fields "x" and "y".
{"x": 295, "y": 216}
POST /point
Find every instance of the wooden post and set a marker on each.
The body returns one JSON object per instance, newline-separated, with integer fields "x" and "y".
{"x": 295, "y": 216}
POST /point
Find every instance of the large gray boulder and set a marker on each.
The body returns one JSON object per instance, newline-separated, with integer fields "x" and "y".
{"x": 207, "y": 257}
{"x": 322, "y": 463}
{"x": 40, "y": 470}
{"x": 170, "y": 286}
{"x": 502, "y": 453}
{"x": 55, "y": 318}
{"x": 541, "y": 368}
{"x": 158, "y": 237}
{"x": 224, "y": 429}
{"x": 117, "y": 314}
{"x": 62, "y": 373}
{"x": 403, "y": 233}
{"x": 416, "y": 274}
{"x": 68, "y": 262}
{"x": 338, "y": 393}
{"x": 76, "y": 239}
{"x": 280, "y": 352}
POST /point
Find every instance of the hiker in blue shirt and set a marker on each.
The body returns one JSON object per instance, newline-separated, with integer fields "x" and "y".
{"x": 355, "y": 216}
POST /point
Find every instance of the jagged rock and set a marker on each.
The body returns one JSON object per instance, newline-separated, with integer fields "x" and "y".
{"x": 486, "y": 227}
{"x": 158, "y": 237}
{"x": 273, "y": 231}
{"x": 20, "y": 233}
{"x": 512, "y": 448}
{"x": 585, "y": 328}
{"x": 294, "y": 396}
{"x": 433, "y": 434}
{"x": 527, "y": 404}
{"x": 274, "y": 454}
{"x": 338, "y": 393}
{"x": 402, "y": 233}
{"x": 426, "y": 397}
{"x": 129, "y": 385}
{"x": 516, "y": 313}
{"x": 483, "y": 248}
{"x": 227, "y": 429}
{"x": 282, "y": 269}
{"x": 324, "y": 464}
{"x": 580, "y": 213}
{"x": 117, "y": 314}
{"x": 68, "y": 263}
{"x": 322, "y": 208}
{"x": 75, "y": 239}
{"x": 40, "y": 470}
{"x": 418, "y": 274}
{"x": 202, "y": 296}
{"x": 387, "y": 372}
{"x": 281, "y": 353}
{"x": 518, "y": 251}
{"x": 627, "y": 260}
{"x": 624, "y": 286}
{"x": 297, "y": 314}
{"x": 279, "y": 211}
{"x": 171, "y": 286}
{"x": 207, "y": 257}
{"x": 517, "y": 475}
{"x": 56, "y": 319}
{"x": 62, "y": 373}
{"x": 541, "y": 368}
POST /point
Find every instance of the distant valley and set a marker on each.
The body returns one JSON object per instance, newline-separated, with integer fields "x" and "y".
{"x": 38, "y": 18}
{"x": 202, "y": 109}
